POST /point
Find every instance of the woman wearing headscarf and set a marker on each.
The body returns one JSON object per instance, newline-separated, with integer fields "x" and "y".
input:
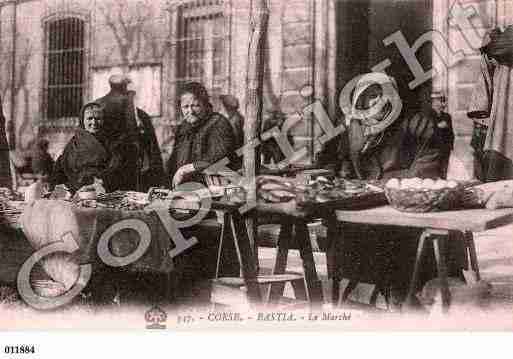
{"x": 203, "y": 138}
{"x": 92, "y": 157}
{"x": 383, "y": 140}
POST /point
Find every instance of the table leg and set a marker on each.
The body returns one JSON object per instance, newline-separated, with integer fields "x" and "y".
{"x": 246, "y": 257}
{"x": 313, "y": 283}
{"x": 416, "y": 268}
{"x": 439, "y": 246}
{"x": 280, "y": 264}
{"x": 333, "y": 235}
{"x": 251, "y": 225}
{"x": 226, "y": 222}
{"x": 469, "y": 238}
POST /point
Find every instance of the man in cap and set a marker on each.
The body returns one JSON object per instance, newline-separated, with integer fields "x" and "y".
{"x": 443, "y": 132}
{"x": 124, "y": 119}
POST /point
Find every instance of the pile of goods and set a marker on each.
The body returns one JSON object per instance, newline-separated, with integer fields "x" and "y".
{"x": 322, "y": 189}
{"x": 275, "y": 189}
{"x": 314, "y": 191}
{"x": 423, "y": 195}
{"x": 492, "y": 195}
{"x": 11, "y": 206}
{"x": 120, "y": 200}
{"x": 6, "y": 194}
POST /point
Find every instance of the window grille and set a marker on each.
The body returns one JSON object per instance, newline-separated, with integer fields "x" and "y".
{"x": 202, "y": 46}
{"x": 64, "y": 62}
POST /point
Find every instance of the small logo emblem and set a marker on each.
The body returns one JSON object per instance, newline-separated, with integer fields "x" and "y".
{"x": 155, "y": 318}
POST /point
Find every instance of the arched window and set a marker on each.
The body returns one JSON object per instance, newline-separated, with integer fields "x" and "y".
{"x": 64, "y": 68}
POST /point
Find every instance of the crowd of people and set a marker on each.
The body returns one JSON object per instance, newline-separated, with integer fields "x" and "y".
{"x": 115, "y": 148}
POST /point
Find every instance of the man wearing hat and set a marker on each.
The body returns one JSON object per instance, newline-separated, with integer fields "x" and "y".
{"x": 443, "y": 132}
{"x": 124, "y": 120}
{"x": 231, "y": 106}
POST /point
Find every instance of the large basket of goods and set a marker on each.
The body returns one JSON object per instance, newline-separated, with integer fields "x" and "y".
{"x": 423, "y": 195}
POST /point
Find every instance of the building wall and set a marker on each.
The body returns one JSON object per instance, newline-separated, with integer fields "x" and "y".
{"x": 126, "y": 35}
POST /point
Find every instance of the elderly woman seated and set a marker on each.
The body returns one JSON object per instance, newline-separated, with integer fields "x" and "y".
{"x": 92, "y": 158}
{"x": 203, "y": 137}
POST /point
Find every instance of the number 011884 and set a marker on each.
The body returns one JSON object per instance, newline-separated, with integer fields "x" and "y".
{"x": 19, "y": 349}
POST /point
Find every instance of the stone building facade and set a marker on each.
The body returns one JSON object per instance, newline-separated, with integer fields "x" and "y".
{"x": 56, "y": 55}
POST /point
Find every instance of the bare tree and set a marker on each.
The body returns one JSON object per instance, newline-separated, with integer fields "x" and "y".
{"x": 21, "y": 87}
{"x": 130, "y": 28}
{"x": 254, "y": 104}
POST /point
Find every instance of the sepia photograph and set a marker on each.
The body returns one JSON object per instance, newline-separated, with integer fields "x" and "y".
{"x": 256, "y": 165}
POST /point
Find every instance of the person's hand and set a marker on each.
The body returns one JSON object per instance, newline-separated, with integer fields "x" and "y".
{"x": 442, "y": 124}
{"x": 182, "y": 173}
{"x": 191, "y": 118}
{"x": 98, "y": 186}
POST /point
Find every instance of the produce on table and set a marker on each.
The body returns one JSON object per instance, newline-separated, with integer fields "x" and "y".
{"x": 423, "y": 195}
{"x": 492, "y": 195}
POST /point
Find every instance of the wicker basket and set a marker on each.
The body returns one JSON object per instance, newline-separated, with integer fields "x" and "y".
{"x": 424, "y": 200}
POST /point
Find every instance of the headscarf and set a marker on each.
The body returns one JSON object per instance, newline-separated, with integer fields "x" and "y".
{"x": 364, "y": 130}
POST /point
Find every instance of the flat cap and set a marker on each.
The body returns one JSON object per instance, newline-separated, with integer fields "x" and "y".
{"x": 119, "y": 80}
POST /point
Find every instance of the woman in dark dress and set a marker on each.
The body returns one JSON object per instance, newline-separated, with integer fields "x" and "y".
{"x": 203, "y": 138}
{"x": 379, "y": 146}
{"x": 92, "y": 157}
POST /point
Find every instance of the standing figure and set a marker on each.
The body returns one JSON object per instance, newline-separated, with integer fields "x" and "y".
{"x": 491, "y": 108}
{"x": 5, "y": 164}
{"x": 444, "y": 134}
{"x": 124, "y": 120}
{"x": 271, "y": 151}
{"x": 231, "y": 106}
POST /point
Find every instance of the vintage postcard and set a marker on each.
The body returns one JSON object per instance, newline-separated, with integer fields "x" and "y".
{"x": 271, "y": 165}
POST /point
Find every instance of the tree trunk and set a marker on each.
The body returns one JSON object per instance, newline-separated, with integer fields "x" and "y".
{"x": 254, "y": 103}
{"x": 254, "y": 86}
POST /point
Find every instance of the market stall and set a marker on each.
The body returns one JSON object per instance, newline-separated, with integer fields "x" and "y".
{"x": 142, "y": 232}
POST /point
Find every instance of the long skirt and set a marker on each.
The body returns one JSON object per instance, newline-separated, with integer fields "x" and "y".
{"x": 385, "y": 256}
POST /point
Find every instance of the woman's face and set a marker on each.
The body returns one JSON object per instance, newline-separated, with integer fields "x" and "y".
{"x": 371, "y": 101}
{"x": 93, "y": 120}
{"x": 192, "y": 109}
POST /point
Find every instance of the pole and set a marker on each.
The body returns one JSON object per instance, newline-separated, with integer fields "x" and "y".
{"x": 254, "y": 103}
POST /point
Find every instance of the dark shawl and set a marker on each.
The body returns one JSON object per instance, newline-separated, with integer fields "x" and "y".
{"x": 87, "y": 156}
{"x": 203, "y": 144}
{"x": 384, "y": 255}
{"x": 408, "y": 148}
{"x": 152, "y": 166}
{"x": 120, "y": 122}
